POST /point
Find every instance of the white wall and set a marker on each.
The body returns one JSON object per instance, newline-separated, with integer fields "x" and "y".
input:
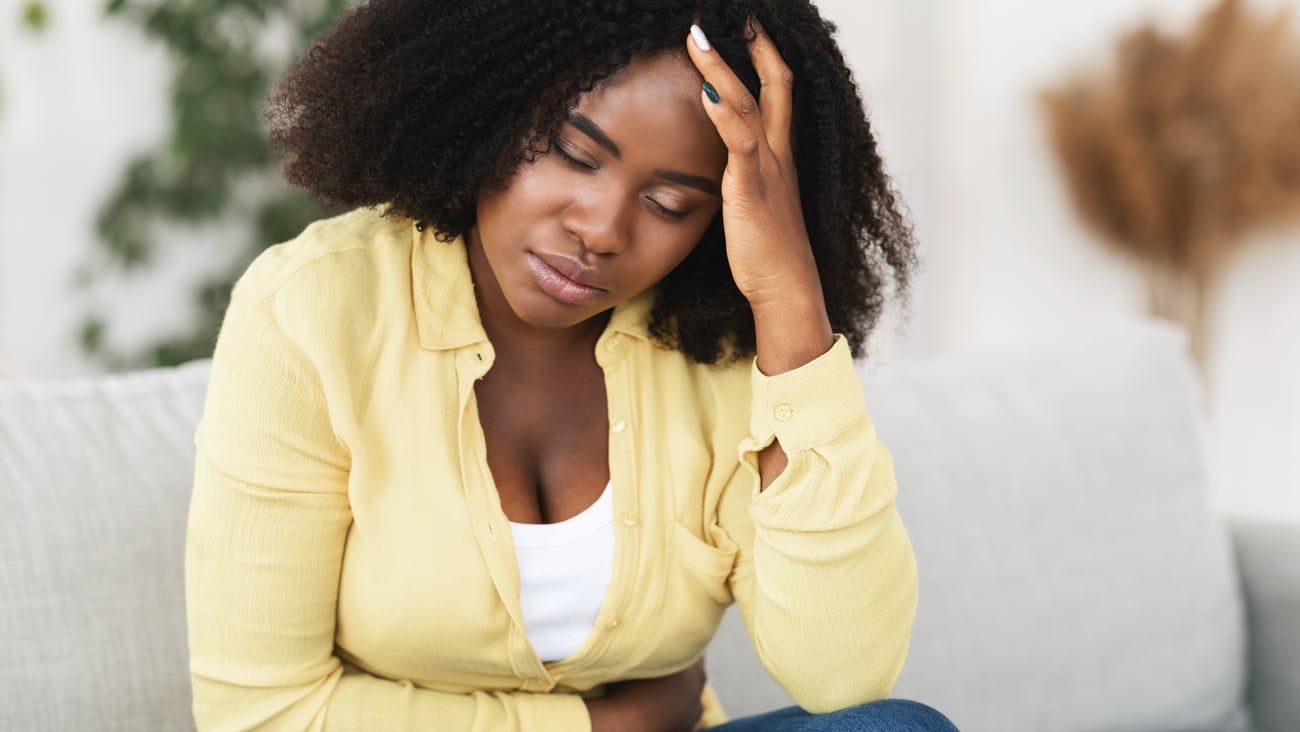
{"x": 79, "y": 100}
{"x": 951, "y": 85}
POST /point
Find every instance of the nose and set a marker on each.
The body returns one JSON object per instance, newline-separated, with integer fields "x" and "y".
{"x": 601, "y": 220}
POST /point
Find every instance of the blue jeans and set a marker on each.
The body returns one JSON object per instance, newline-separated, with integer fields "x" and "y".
{"x": 886, "y": 715}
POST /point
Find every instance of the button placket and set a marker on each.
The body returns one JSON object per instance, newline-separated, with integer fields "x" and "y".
{"x": 622, "y": 457}
{"x": 471, "y": 364}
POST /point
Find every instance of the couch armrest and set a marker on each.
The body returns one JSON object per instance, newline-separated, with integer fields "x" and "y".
{"x": 1268, "y": 555}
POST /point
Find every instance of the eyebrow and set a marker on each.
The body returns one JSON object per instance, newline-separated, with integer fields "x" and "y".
{"x": 589, "y": 128}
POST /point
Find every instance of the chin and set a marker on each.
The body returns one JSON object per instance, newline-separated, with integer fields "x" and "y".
{"x": 540, "y": 311}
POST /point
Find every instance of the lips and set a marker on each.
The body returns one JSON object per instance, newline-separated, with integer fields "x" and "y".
{"x": 585, "y": 276}
{"x": 565, "y": 280}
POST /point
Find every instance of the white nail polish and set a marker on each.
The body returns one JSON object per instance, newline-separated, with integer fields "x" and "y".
{"x": 701, "y": 40}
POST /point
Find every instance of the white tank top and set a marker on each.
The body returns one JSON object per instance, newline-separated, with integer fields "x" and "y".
{"x": 564, "y": 570}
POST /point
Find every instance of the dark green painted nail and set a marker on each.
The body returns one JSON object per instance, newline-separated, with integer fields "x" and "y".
{"x": 711, "y": 93}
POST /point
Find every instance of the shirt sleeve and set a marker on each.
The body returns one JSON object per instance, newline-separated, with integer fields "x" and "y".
{"x": 268, "y": 525}
{"x": 825, "y": 577}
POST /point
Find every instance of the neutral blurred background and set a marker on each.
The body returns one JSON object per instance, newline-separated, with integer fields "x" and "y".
{"x": 954, "y": 88}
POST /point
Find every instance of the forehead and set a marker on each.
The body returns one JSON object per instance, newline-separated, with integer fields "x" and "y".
{"x": 655, "y": 101}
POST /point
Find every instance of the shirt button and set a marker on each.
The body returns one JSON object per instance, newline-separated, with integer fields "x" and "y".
{"x": 612, "y": 623}
{"x": 613, "y": 344}
{"x": 618, "y": 426}
{"x": 629, "y": 520}
{"x": 783, "y": 412}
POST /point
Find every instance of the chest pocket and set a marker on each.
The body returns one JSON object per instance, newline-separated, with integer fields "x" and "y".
{"x": 694, "y": 598}
{"x": 703, "y": 568}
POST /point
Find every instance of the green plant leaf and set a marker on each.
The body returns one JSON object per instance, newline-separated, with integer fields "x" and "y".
{"x": 214, "y": 146}
{"x": 92, "y": 335}
{"x": 36, "y": 16}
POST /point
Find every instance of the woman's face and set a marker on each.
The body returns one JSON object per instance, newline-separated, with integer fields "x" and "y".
{"x": 624, "y": 193}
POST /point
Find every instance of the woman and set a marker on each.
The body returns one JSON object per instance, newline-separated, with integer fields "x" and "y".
{"x": 495, "y": 450}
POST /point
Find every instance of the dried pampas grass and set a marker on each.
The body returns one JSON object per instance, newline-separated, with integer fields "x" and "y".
{"x": 1184, "y": 146}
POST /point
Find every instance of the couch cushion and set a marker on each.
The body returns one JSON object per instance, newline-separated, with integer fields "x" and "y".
{"x": 95, "y": 477}
{"x": 1072, "y": 575}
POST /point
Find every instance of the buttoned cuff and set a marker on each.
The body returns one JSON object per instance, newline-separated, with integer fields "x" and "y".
{"x": 807, "y": 406}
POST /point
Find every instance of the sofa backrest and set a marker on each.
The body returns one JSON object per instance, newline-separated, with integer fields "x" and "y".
{"x": 95, "y": 479}
{"x": 1072, "y": 575}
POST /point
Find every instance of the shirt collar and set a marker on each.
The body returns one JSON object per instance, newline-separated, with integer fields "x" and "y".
{"x": 446, "y": 313}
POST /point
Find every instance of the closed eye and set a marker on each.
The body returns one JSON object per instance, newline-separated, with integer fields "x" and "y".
{"x": 560, "y": 147}
{"x": 670, "y": 213}
{"x": 569, "y": 159}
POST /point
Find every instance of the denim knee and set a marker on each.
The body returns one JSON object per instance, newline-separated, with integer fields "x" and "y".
{"x": 887, "y": 715}
{"x": 905, "y": 715}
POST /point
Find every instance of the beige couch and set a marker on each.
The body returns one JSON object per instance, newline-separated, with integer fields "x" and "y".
{"x": 1073, "y": 576}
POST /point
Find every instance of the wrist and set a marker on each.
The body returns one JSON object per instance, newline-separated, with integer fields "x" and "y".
{"x": 796, "y": 281}
{"x": 609, "y": 715}
{"x": 599, "y": 711}
{"x": 791, "y": 335}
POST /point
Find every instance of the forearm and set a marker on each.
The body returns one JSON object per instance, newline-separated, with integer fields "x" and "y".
{"x": 831, "y": 590}
{"x": 788, "y": 334}
{"x": 261, "y": 596}
{"x": 357, "y": 702}
{"x": 370, "y": 704}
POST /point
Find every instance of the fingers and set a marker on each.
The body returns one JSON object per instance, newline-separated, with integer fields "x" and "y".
{"x": 731, "y": 108}
{"x": 776, "y": 89}
{"x": 714, "y": 69}
{"x": 746, "y": 124}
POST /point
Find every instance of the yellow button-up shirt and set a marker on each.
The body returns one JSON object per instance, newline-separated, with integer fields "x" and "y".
{"x": 348, "y": 564}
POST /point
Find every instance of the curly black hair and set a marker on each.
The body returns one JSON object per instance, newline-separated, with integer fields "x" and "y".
{"x": 424, "y": 104}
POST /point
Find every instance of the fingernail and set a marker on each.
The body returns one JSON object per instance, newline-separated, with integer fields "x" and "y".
{"x": 701, "y": 40}
{"x": 711, "y": 93}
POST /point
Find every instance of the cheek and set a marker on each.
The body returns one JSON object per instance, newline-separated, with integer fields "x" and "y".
{"x": 531, "y": 183}
{"x": 529, "y": 189}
